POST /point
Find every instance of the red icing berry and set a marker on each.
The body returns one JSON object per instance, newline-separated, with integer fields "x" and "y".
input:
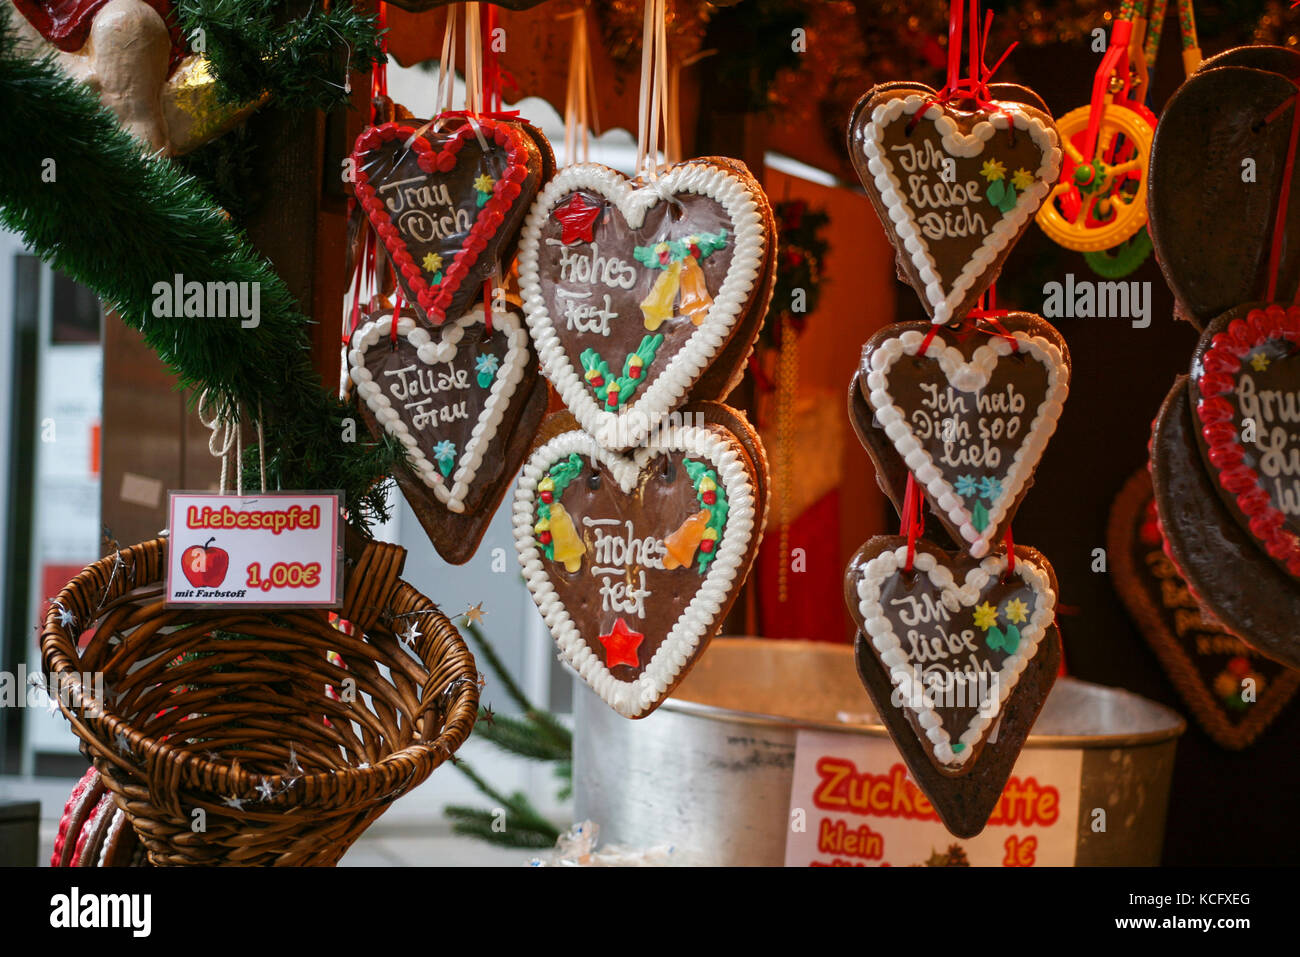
{"x": 695, "y": 251}
{"x": 663, "y": 258}
{"x": 598, "y": 381}
{"x": 1239, "y": 665}
{"x": 709, "y": 497}
{"x": 707, "y": 544}
{"x": 548, "y": 497}
{"x": 611, "y": 399}
{"x": 544, "y": 538}
{"x": 634, "y": 372}
{"x": 446, "y": 162}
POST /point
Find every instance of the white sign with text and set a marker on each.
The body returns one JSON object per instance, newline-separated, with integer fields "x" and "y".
{"x": 276, "y": 549}
{"x": 853, "y": 803}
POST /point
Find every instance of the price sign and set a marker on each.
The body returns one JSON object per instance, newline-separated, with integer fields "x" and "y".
{"x": 280, "y": 549}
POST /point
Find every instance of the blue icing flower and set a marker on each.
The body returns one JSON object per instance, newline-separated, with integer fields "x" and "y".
{"x": 965, "y": 486}
{"x": 990, "y": 488}
{"x": 486, "y": 367}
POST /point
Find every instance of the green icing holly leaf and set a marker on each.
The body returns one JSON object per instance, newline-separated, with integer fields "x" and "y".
{"x": 1011, "y": 639}
{"x": 979, "y": 517}
{"x": 996, "y": 192}
{"x": 717, "y": 511}
{"x": 995, "y": 639}
{"x": 564, "y": 472}
{"x": 1009, "y": 199}
{"x": 679, "y": 249}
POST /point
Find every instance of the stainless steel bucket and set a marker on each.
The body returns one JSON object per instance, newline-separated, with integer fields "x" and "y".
{"x": 710, "y": 772}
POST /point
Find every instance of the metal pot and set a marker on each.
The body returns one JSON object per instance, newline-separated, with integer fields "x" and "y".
{"x": 710, "y": 772}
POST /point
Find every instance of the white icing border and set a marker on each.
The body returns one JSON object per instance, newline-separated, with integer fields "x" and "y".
{"x": 954, "y": 596}
{"x": 629, "y": 426}
{"x": 968, "y": 377}
{"x": 964, "y": 145}
{"x": 509, "y": 373}
{"x": 635, "y": 698}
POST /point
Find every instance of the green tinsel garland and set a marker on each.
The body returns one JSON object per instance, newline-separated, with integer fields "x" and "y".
{"x": 298, "y": 53}
{"x": 119, "y": 222}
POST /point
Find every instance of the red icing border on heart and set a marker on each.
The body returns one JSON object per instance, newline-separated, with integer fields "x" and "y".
{"x": 434, "y": 300}
{"x": 1221, "y": 365}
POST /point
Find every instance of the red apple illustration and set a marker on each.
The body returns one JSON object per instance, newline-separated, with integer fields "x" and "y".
{"x": 204, "y": 565}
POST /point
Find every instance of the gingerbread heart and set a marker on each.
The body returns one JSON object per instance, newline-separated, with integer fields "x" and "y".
{"x": 633, "y": 289}
{"x": 1216, "y": 176}
{"x": 1245, "y": 394}
{"x": 1225, "y": 570}
{"x": 954, "y": 187}
{"x": 953, "y": 636}
{"x": 463, "y": 401}
{"x": 968, "y": 411}
{"x": 447, "y": 203}
{"x": 965, "y": 802}
{"x": 1234, "y": 692}
{"x": 634, "y": 560}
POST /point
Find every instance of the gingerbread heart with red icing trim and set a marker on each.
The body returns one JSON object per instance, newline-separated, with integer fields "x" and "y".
{"x": 1245, "y": 393}
{"x": 447, "y": 203}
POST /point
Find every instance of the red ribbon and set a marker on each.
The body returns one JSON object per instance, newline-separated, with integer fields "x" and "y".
{"x": 1011, "y": 552}
{"x": 975, "y": 85}
{"x": 913, "y": 520}
{"x": 1279, "y": 220}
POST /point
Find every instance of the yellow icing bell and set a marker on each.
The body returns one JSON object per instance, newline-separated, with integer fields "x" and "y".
{"x": 658, "y": 305}
{"x": 566, "y": 544}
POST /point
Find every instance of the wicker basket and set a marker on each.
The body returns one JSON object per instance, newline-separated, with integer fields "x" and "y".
{"x": 235, "y": 736}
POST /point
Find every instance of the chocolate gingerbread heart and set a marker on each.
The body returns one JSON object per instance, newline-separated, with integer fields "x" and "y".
{"x": 1221, "y": 562}
{"x": 634, "y": 560}
{"x": 1245, "y": 394}
{"x": 953, "y": 636}
{"x": 1211, "y": 213}
{"x": 968, "y": 411}
{"x": 633, "y": 289}
{"x": 447, "y": 202}
{"x": 954, "y": 187}
{"x": 463, "y": 401}
{"x": 1234, "y": 692}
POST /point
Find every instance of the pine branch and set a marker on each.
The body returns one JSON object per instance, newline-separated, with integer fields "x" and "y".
{"x": 254, "y": 47}
{"x": 484, "y": 647}
{"x": 520, "y": 737}
{"x": 120, "y": 223}
{"x": 516, "y": 804}
{"x": 475, "y": 822}
{"x": 550, "y": 726}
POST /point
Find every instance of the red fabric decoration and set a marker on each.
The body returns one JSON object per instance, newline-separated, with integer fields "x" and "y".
{"x": 814, "y": 608}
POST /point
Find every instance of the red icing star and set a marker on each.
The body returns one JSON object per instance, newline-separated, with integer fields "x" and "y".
{"x": 578, "y": 220}
{"x": 621, "y": 645}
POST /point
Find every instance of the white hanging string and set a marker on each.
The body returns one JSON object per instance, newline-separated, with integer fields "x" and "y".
{"x": 473, "y": 60}
{"x": 653, "y": 106}
{"x": 580, "y": 99}
{"x": 227, "y": 443}
{"x": 447, "y": 64}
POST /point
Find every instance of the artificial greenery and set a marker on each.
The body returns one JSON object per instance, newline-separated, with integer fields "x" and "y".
{"x": 536, "y": 736}
{"x": 298, "y": 54}
{"x": 800, "y": 266}
{"x": 78, "y": 190}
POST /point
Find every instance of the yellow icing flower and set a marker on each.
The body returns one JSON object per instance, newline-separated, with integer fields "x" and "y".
{"x": 1259, "y": 361}
{"x": 432, "y": 262}
{"x": 993, "y": 170}
{"x": 986, "y": 616}
{"x": 1023, "y": 179}
{"x": 1016, "y": 611}
{"x": 484, "y": 183}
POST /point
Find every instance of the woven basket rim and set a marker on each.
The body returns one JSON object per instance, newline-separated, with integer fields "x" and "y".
{"x": 151, "y": 752}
